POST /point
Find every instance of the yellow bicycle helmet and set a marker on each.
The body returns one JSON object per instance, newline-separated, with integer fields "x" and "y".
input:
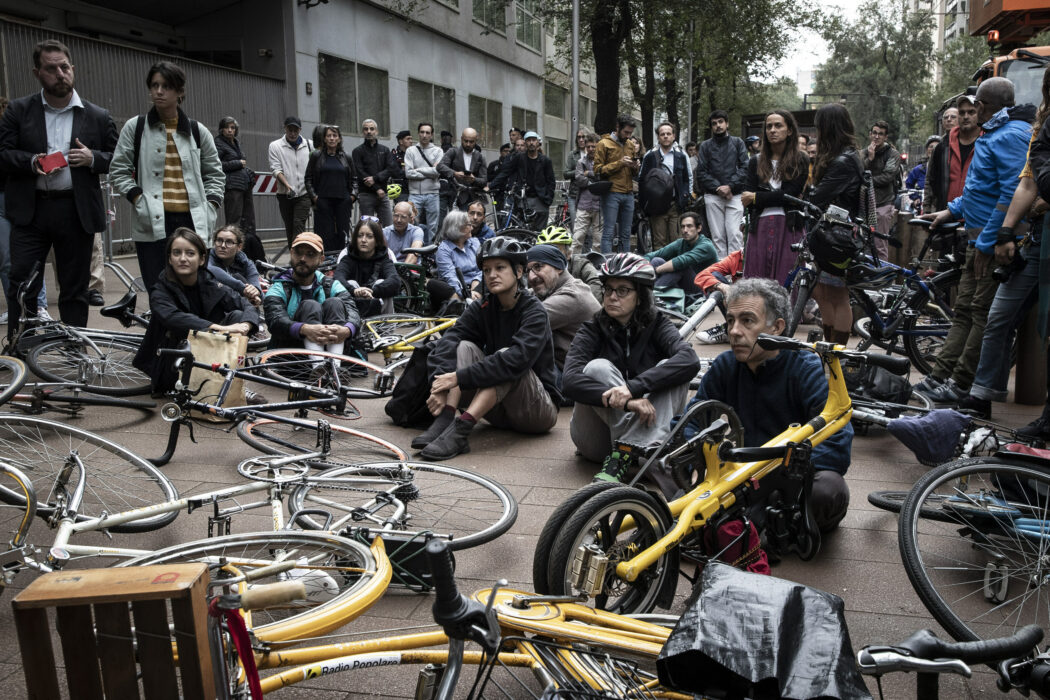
{"x": 393, "y": 190}
{"x": 556, "y": 235}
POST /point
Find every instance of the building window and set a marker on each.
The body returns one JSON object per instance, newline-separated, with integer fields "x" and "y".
{"x": 554, "y": 100}
{"x": 486, "y": 117}
{"x": 523, "y": 118}
{"x": 527, "y": 25}
{"x": 555, "y": 150}
{"x": 491, "y": 13}
{"x": 351, "y": 92}
{"x": 431, "y": 103}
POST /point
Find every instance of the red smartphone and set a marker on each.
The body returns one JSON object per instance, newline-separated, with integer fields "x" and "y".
{"x": 52, "y": 162}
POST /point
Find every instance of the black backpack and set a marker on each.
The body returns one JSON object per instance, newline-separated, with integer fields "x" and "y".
{"x": 407, "y": 406}
{"x": 140, "y": 126}
{"x": 657, "y": 190}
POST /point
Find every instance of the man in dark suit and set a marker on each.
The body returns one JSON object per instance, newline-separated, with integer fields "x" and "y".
{"x": 473, "y": 174}
{"x": 53, "y": 147}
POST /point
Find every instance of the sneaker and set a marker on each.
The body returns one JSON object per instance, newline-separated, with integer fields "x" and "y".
{"x": 450, "y": 443}
{"x": 981, "y": 408}
{"x": 253, "y": 398}
{"x": 716, "y": 335}
{"x": 1039, "y": 429}
{"x": 434, "y": 431}
{"x": 616, "y": 465}
{"x": 43, "y": 316}
{"x": 947, "y": 394}
{"x": 927, "y": 384}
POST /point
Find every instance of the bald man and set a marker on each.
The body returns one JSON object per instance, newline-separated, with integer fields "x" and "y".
{"x": 949, "y": 119}
{"x": 465, "y": 165}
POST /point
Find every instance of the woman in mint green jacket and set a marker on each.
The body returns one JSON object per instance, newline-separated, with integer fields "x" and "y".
{"x": 167, "y": 167}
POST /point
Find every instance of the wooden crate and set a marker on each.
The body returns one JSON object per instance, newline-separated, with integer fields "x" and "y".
{"x": 95, "y": 613}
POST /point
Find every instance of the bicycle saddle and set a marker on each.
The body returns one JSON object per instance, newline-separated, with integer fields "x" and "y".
{"x": 125, "y": 305}
{"x": 425, "y": 250}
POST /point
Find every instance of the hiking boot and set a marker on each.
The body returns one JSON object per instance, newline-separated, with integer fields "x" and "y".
{"x": 971, "y": 405}
{"x": 450, "y": 443}
{"x": 434, "y": 431}
{"x": 947, "y": 394}
{"x": 928, "y": 383}
{"x": 616, "y": 465}
{"x": 716, "y": 335}
{"x": 1039, "y": 429}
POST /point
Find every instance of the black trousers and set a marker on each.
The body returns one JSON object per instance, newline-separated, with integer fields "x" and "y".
{"x": 55, "y": 224}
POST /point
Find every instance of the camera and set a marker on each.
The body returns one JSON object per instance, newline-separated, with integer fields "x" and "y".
{"x": 1002, "y": 273}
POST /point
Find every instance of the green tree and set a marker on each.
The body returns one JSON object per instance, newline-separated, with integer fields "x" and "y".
{"x": 879, "y": 64}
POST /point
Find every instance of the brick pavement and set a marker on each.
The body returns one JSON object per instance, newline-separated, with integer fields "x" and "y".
{"x": 860, "y": 562}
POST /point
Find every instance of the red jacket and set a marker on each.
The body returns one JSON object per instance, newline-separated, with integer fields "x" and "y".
{"x": 731, "y": 266}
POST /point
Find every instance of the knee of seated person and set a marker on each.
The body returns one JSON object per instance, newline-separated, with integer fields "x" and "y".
{"x": 598, "y": 367}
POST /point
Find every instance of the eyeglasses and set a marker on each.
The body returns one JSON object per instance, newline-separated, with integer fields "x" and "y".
{"x": 534, "y": 267}
{"x": 224, "y": 243}
{"x": 620, "y": 292}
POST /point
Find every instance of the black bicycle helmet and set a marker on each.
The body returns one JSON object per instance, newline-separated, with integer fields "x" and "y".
{"x": 629, "y": 266}
{"x": 503, "y": 247}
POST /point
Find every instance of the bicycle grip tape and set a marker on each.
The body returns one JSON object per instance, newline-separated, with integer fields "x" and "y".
{"x": 442, "y": 570}
{"x": 272, "y": 594}
{"x": 896, "y": 365}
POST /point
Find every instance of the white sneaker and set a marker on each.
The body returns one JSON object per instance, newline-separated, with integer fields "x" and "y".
{"x": 43, "y": 315}
{"x": 715, "y": 335}
{"x": 3, "y": 318}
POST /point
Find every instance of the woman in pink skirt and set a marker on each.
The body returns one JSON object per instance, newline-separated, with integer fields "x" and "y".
{"x": 780, "y": 168}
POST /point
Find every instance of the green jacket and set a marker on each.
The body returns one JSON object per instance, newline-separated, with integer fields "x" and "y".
{"x": 201, "y": 170}
{"x": 701, "y": 254}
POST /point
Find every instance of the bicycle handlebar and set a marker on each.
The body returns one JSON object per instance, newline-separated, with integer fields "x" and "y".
{"x": 896, "y": 365}
{"x": 940, "y": 228}
{"x": 925, "y": 652}
{"x": 804, "y": 205}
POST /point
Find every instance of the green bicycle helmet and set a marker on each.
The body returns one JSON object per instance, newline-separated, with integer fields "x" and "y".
{"x": 393, "y": 190}
{"x": 556, "y": 235}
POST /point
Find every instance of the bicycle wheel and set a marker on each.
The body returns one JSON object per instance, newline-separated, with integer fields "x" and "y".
{"x": 349, "y": 446}
{"x": 893, "y": 501}
{"x": 800, "y": 292}
{"x": 980, "y": 568}
{"x": 441, "y": 499}
{"x": 105, "y": 371}
{"x": 326, "y": 369}
{"x": 521, "y": 233}
{"x": 12, "y": 376}
{"x": 542, "y": 554}
{"x": 597, "y": 523}
{"x": 334, "y": 570}
{"x": 117, "y": 479}
{"x": 923, "y": 334}
{"x": 644, "y": 237}
{"x": 386, "y": 328}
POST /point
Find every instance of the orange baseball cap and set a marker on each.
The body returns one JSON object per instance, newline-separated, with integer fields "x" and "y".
{"x": 311, "y": 239}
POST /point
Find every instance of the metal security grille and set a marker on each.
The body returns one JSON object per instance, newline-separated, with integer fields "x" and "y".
{"x": 114, "y": 77}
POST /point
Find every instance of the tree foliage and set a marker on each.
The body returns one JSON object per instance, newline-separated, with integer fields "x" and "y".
{"x": 879, "y": 64}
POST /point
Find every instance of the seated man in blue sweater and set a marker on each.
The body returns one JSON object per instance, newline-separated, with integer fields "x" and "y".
{"x": 770, "y": 389}
{"x": 678, "y": 262}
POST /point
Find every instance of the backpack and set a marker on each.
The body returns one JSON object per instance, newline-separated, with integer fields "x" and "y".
{"x": 407, "y": 406}
{"x": 657, "y": 190}
{"x": 140, "y": 126}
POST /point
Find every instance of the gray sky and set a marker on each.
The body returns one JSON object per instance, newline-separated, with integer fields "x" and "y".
{"x": 810, "y": 50}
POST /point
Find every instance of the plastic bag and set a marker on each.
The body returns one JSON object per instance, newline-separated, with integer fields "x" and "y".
{"x": 746, "y": 635}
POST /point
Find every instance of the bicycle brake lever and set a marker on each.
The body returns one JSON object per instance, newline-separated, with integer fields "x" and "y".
{"x": 877, "y": 662}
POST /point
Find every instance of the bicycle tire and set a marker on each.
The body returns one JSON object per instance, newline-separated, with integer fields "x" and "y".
{"x": 439, "y": 498}
{"x": 644, "y": 237}
{"x": 118, "y": 480}
{"x": 962, "y": 569}
{"x": 799, "y": 294}
{"x": 61, "y": 360}
{"x": 361, "y": 379}
{"x": 519, "y": 233}
{"x": 597, "y": 521}
{"x": 893, "y": 501}
{"x": 349, "y": 446}
{"x": 542, "y": 553}
{"x": 922, "y": 348}
{"x": 336, "y": 569}
{"x": 12, "y": 377}
{"x": 398, "y": 325}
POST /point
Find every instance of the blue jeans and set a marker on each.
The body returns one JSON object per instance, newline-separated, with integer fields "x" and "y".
{"x": 1012, "y": 300}
{"x": 617, "y": 208}
{"x": 429, "y": 207}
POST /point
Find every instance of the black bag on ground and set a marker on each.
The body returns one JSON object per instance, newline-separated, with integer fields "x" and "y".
{"x": 407, "y": 406}
{"x": 876, "y": 383}
{"x": 657, "y": 191}
{"x": 748, "y": 635}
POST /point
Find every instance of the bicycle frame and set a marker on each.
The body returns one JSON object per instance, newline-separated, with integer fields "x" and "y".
{"x": 718, "y": 490}
{"x": 381, "y": 344}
